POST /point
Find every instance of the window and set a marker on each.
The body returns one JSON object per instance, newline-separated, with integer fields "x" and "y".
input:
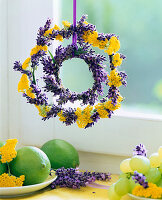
{"x": 140, "y": 36}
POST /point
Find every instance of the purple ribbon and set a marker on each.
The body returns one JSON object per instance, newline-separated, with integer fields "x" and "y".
{"x": 74, "y": 23}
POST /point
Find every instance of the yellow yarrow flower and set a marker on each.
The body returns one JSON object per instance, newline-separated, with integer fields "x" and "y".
{"x": 102, "y": 44}
{"x": 120, "y": 98}
{"x": 48, "y": 32}
{"x": 114, "y": 79}
{"x": 66, "y": 24}
{"x": 153, "y": 191}
{"x": 26, "y": 63}
{"x": 101, "y": 110}
{"x": 7, "y": 180}
{"x": 57, "y": 27}
{"x": 62, "y": 118}
{"x": 43, "y": 110}
{"x": 91, "y": 38}
{"x": 8, "y": 151}
{"x": 38, "y": 48}
{"x": 30, "y": 93}
{"x": 85, "y": 36}
{"x": 85, "y": 22}
{"x": 51, "y": 30}
{"x": 117, "y": 61}
{"x": 58, "y": 37}
{"x": 110, "y": 106}
{"x": 114, "y": 45}
{"x": 23, "y": 83}
{"x": 84, "y": 117}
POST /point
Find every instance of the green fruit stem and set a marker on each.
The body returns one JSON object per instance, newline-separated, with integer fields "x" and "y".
{"x": 8, "y": 167}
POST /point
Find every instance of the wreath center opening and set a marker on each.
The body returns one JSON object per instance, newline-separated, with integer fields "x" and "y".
{"x": 75, "y": 75}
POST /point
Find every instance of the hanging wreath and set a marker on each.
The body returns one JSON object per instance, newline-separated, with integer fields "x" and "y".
{"x": 84, "y": 36}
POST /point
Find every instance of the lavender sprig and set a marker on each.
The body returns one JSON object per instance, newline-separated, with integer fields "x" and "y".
{"x": 140, "y": 178}
{"x": 140, "y": 150}
{"x": 73, "y": 178}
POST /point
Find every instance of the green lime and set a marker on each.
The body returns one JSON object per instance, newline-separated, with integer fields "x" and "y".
{"x": 3, "y": 166}
{"x": 61, "y": 154}
{"x": 31, "y": 162}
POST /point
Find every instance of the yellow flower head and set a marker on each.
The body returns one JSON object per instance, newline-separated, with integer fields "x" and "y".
{"x": 30, "y": 93}
{"x": 109, "y": 105}
{"x": 114, "y": 79}
{"x": 62, "y": 118}
{"x": 101, "y": 110}
{"x": 117, "y": 61}
{"x": 59, "y": 37}
{"x": 91, "y": 38}
{"x": 86, "y": 23}
{"x": 103, "y": 44}
{"x": 151, "y": 192}
{"x": 38, "y": 48}
{"x": 114, "y": 45}
{"x": 25, "y": 65}
{"x": 11, "y": 181}
{"x": 48, "y": 32}
{"x": 23, "y": 83}
{"x": 8, "y": 151}
{"x": 84, "y": 117}
{"x": 66, "y": 24}
{"x": 43, "y": 110}
{"x": 57, "y": 27}
{"x": 120, "y": 98}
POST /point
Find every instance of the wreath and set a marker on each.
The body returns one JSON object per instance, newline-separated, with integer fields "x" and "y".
{"x": 85, "y": 36}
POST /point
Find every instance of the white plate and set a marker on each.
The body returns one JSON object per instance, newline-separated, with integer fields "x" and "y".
{"x": 24, "y": 190}
{"x": 139, "y": 198}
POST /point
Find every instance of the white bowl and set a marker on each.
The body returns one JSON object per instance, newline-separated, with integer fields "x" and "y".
{"x": 139, "y": 198}
{"x": 24, "y": 190}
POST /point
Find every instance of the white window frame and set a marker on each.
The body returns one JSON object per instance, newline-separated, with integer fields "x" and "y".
{"x": 116, "y": 136}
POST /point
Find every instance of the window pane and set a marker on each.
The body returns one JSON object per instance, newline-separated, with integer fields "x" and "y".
{"x": 139, "y": 25}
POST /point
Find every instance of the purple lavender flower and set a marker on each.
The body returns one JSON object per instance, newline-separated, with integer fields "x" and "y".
{"x": 70, "y": 116}
{"x": 40, "y": 99}
{"x": 41, "y": 39}
{"x": 53, "y": 112}
{"x": 140, "y": 150}
{"x": 36, "y": 57}
{"x": 95, "y": 117}
{"x": 140, "y": 178}
{"x": 123, "y": 76}
{"x": 73, "y": 178}
{"x": 18, "y": 67}
{"x": 113, "y": 94}
{"x": 53, "y": 84}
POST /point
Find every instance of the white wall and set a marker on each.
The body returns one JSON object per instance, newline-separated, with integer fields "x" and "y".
{"x": 3, "y": 71}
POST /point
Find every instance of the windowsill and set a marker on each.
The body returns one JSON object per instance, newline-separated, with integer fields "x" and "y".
{"x": 138, "y": 115}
